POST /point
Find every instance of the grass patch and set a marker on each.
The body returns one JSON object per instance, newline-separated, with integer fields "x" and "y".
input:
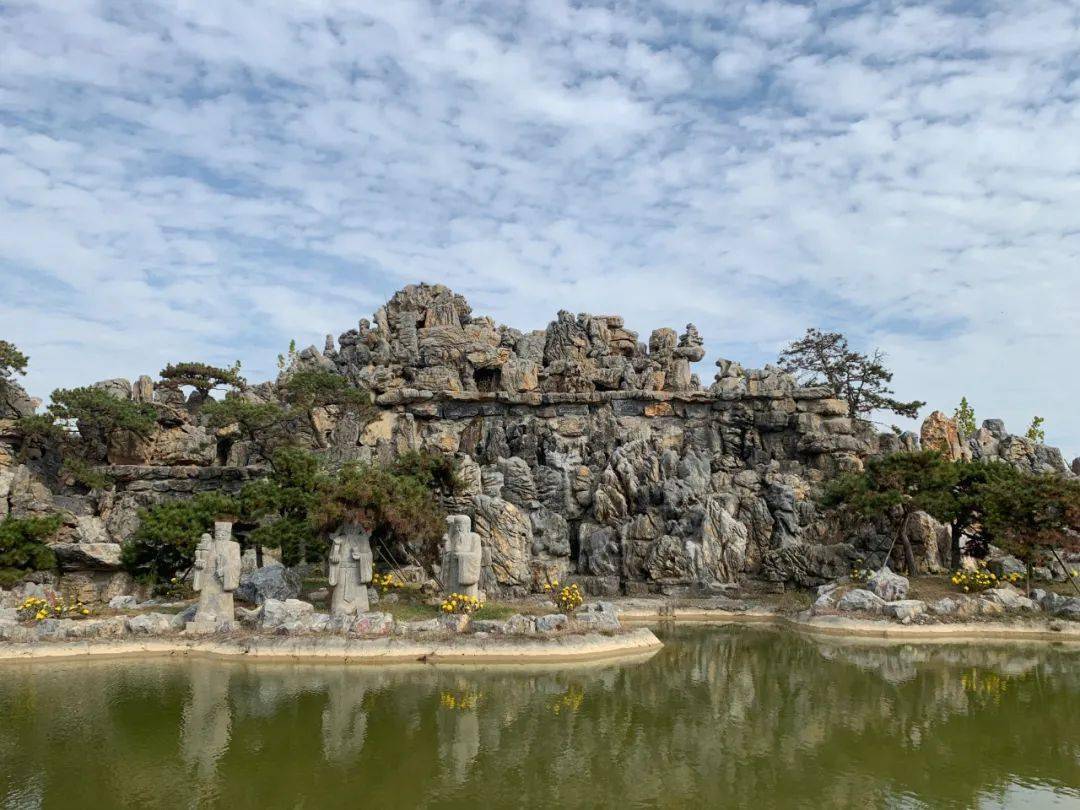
{"x": 496, "y": 611}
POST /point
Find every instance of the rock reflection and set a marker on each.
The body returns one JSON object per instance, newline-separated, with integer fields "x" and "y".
{"x": 721, "y": 716}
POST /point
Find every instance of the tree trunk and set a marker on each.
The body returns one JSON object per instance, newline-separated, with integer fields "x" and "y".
{"x": 1030, "y": 576}
{"x": 954, "y": 554}
{"x": 902, "y": 536}
{"x": 258, "y": 555}
{"x": 909, "y": 556}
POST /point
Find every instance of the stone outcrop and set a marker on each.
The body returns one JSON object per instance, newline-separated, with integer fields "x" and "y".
{"x": 585, "y": 452}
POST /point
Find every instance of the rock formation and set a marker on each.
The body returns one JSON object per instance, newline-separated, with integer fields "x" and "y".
{"x": 586, "y": 452}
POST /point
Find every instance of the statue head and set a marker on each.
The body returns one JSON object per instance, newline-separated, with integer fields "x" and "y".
{"x": 457, "y": 529}
{"x": 223, "y": 530}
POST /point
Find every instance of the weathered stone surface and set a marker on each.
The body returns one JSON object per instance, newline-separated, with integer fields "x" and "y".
{"x": 273, "y": 581}
{"x": 860, "y": 600}
{"x": 888, "y": 585}
{"x": 904, "y": 608}
{"x": 95, "y": 556}
{"x": 123, "y": 602}
{"x": 939, "y": 433}
{"x": 552, "y": 622}
{"x": 597, "y": 616}
{"x": 507, "y": 535}
{"x": 150, "y": 624}
{"x": 1011, "y": 600}
{"x": 585, "y": 451}
{"x": 290, "y": 614}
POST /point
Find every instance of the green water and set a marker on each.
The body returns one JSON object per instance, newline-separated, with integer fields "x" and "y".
{"x": 721, "y": 717}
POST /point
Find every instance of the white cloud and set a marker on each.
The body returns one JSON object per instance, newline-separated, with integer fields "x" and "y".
{"x": 195, "y": 180}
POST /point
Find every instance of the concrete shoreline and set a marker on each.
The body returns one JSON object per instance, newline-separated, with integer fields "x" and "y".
{"x": 845, "y": 626}
{"x": 370, "y": 651}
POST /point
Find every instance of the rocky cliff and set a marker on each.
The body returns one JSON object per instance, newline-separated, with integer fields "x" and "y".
{"x": 586, "y": 452}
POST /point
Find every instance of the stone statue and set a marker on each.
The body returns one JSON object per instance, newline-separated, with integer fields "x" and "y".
{"x": 217, "y": 573}
{"x": 461, "y": 557}
{"x": 350, "y": 572}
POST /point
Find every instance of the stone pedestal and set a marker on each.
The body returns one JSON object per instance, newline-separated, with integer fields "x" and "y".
{"x": 217, "y": 573}
{"x": 350, "y": 571}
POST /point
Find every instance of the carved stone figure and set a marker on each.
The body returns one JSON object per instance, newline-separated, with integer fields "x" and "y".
{"x": 350, "y": 572}
{"x": 217, "y": 574}
{"x": 461, "y": 557}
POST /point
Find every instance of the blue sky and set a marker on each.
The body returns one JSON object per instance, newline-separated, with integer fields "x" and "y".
{"x": 209, "y": 180}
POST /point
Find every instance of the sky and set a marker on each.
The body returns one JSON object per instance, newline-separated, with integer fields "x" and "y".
{"x": 206, "y": 181}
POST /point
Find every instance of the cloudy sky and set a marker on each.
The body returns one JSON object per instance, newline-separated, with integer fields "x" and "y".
{"x": 206, "y": 180}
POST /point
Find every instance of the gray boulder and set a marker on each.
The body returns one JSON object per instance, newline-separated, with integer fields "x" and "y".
{"x": 1011, "y": 600}
{"x": 288, "y": 614}
{"x": 891, "y": 587}
{"x": 945, "y": 606}
{"x": 904, "y": 609}
{"x": 597, "y": 616}
{"x": 860, "y": 600}
{"x": 181, "y": 619}
{"x": 421, "y": 626}
{"x": 269, "y": 582}
{"x": 520, "y": 625}
{"x": 124, "y": 602}
{"x": 552, "y": 623}
{"x": 150, "y": 624}
{"x": 487, "y": 626}
{"x": 372, "y": 624}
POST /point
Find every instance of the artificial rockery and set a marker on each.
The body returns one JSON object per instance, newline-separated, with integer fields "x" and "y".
{"x": 584, "y": 453}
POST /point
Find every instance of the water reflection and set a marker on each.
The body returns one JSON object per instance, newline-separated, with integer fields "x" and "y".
{"x": 720, "y": 717}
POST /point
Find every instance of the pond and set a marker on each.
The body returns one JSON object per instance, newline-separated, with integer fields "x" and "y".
{"x": 721, "y": 717}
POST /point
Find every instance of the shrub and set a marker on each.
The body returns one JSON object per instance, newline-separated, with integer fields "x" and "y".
{"x": 12, "y": 362}
{"x": 398, "y": 510}
{"x": 567, "y": 599}
{"x": 458, "y": 604}
{"x": 437, "y": 472}
{"x": 164, "y": 544}
{"x": 202, "y": 377}
{"x": 282, "y": 506}
{"x": 964, "y": 416}
{"x": 23, "y": 548}
{"x": 81, "y": 472}
{"x": 98, "y": 412}
{"x": 34, "y": 608}
{"x": 386, "y": 582}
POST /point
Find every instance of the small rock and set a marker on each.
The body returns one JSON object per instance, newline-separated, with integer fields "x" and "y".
{"x": 890, "y": 586}
{"x": 552, "y": 623}
{"x": 372, "y": 624}
{"x": 291, "y": 614}
{"x": 1010, "y": 599}
{"x": 125, "y": 602}
{"x": 454, "y": 623}
{"x": 149, "y": 624}
{"x": 180, "y": 620}
{"x": 860, "y": 600}
{"x": 425, "y": 626}
{"x": 519, "y": 625}
{"x": 598, "y": 616}
{"x": 479, "y": 626}
{"x": 9, "y": 615}
{"x": 946, "y": 606}
{"x": 904, "y": 609}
